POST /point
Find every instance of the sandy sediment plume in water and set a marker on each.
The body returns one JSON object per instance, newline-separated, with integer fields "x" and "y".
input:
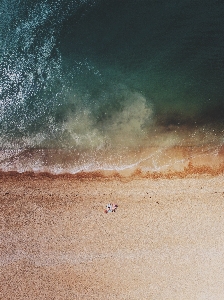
{"x": 165, "y": 241}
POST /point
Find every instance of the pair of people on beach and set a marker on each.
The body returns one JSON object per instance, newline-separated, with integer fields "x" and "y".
{"x": 110, "y": 207}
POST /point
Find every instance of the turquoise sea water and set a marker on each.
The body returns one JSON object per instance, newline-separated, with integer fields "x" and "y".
{"x": 100, "y": 79}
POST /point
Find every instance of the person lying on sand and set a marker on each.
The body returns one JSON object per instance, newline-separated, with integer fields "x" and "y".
{"x": 111, "y": 207}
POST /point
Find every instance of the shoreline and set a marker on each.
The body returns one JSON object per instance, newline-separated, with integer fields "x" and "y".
{"x": 151, "y": 160}
{"x": 190, "y": 171}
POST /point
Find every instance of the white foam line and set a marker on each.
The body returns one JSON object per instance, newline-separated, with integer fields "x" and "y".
{"x": 96, "y": 166}
{"x": 127, "y": 166}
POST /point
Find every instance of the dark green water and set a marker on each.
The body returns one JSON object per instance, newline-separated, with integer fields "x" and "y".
{"x": 96, "y": 76}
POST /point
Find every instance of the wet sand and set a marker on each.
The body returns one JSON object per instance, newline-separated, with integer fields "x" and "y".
{"x": 165, "y": 241}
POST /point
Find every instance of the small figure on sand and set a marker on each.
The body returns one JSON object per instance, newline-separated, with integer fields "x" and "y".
{"x": 111, "y": 207}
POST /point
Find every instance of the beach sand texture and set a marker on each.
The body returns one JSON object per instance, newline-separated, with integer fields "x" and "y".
{"x": 165, "y": 241}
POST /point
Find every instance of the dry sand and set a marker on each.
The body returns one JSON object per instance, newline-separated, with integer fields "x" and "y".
{"x": 166, "y": 240}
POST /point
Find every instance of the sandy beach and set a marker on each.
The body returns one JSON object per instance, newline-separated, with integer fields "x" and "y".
{"x": 165, "y": 241}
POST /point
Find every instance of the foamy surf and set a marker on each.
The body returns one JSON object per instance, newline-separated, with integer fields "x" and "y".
{"x": 147, "y": 161}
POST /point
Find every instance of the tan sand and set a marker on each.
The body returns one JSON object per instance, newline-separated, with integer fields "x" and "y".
{"x": 166, "y": 240}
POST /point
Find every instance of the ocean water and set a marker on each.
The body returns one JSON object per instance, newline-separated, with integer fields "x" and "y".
{"x": 110, "y": 84}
